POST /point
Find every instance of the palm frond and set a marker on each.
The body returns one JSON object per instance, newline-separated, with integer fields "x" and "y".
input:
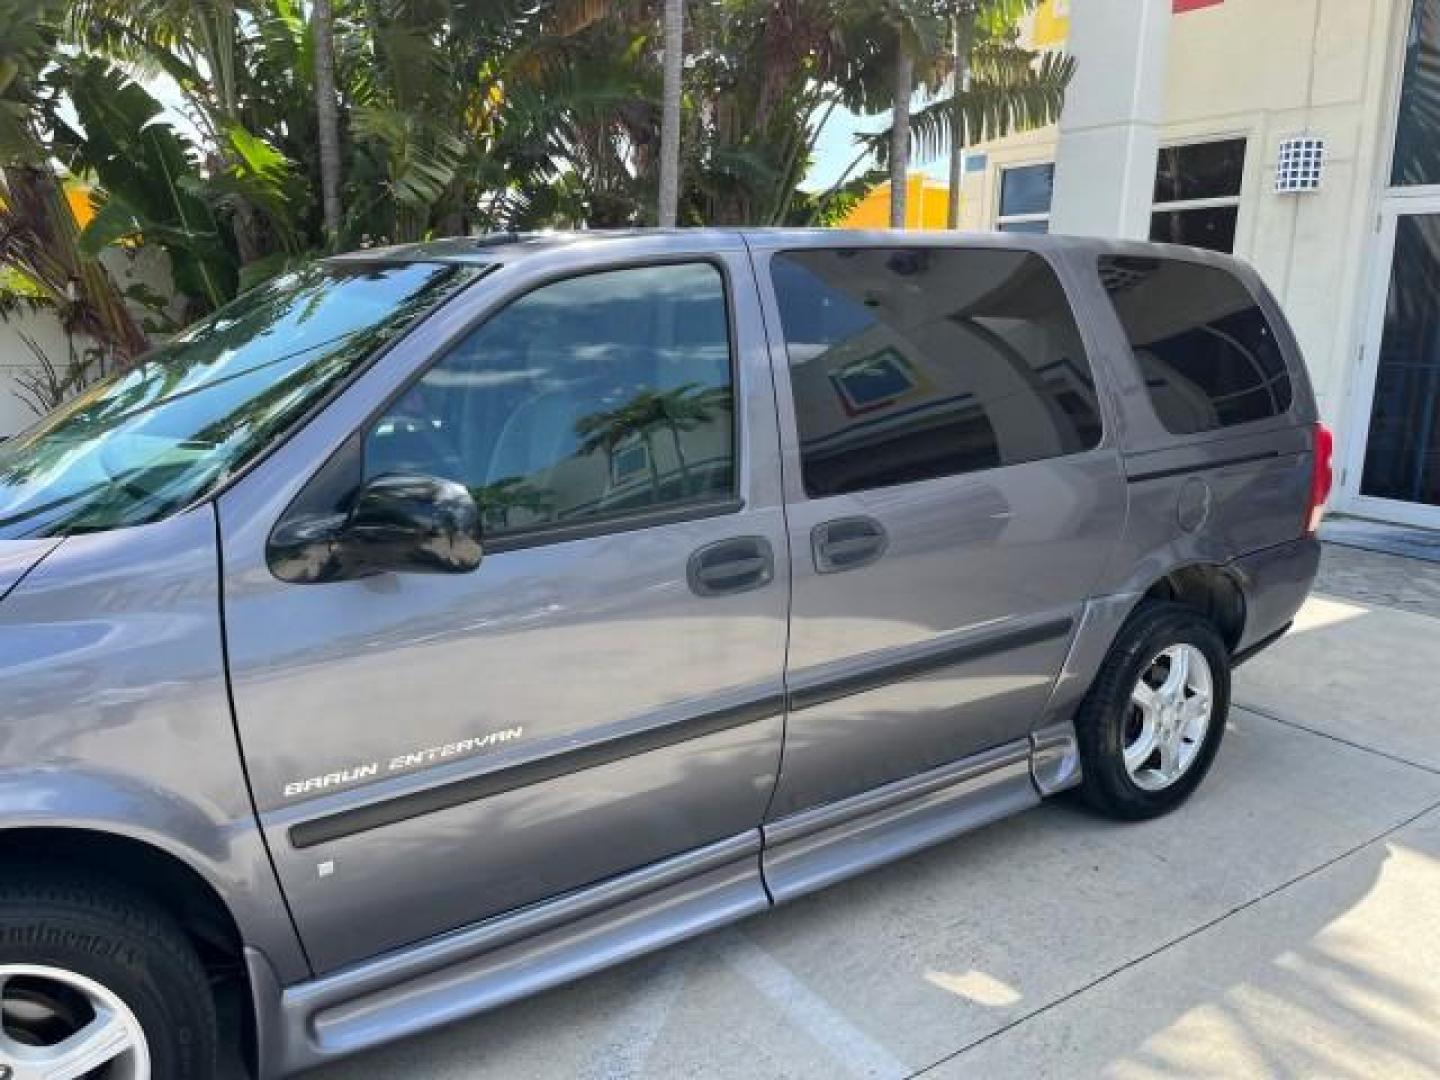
{"x": 1009, "y": 91}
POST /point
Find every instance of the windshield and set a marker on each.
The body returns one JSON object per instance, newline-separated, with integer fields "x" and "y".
{"x": 146, "y": 442}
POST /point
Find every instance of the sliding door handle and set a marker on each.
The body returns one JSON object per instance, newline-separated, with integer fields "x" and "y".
{"x": 847, "y": 544}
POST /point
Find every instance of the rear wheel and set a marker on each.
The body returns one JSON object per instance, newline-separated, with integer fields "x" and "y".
{"x": 96, "y": 983}
{"x": 1153, "y": 720}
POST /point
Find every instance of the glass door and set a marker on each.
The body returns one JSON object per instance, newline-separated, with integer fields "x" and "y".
{"x": 1396, "y": 473}
{"x": 1392, "y": 463}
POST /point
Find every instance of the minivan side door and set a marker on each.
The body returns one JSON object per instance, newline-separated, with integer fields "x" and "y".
{"x": 605, "y": 690}
{"x": 953, "y": 493}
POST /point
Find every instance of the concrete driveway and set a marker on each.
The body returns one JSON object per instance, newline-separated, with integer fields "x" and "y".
{"x": 1285, "y": 923}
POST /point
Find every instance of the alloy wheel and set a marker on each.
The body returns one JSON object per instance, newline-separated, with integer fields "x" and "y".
{"x": 1168, "y": 717}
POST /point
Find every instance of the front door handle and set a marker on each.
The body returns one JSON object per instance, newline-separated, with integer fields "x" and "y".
{"x": 732, "y": 566}
{"x": 847, "y": 544}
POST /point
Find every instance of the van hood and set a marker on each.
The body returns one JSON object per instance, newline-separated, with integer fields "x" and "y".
{"x": 18, "y": 557}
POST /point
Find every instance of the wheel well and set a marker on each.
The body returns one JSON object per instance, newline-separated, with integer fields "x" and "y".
{"x": 158, "y": 876}
{"x": 1211, "y": 591}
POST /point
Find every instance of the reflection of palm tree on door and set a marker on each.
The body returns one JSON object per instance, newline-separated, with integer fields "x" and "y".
{"x": 499, "y": 499}
{"x": 682, "y": 409}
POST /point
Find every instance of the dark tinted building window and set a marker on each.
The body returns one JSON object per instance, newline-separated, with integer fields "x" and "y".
{"x": 1211, "y": 228}
{"x": 1197, "y": 194}
{"x": 911, "y": 364}
{"x": 1208, "y": 355}
{"x": 1206, "y": 170}
{"x": 594, "y": 397}
{"x": 1417, "y": 133}
{"x": 1025, "y": 194}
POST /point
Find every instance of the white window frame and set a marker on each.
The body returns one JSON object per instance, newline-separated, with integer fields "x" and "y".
{"x": 1001, "y": 220}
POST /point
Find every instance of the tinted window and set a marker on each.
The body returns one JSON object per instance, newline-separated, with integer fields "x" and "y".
{"x": 593, "y": 397}
{"x": 1209, "y": 357}
{"x": 1207, "y": 170}
{"x": 1026, "y": 190}
{"x": 1417, "y": 133}
{"x": 143, "y": 443}
{"x": 1211, "y": 227}
{"x": 910, "y": 364}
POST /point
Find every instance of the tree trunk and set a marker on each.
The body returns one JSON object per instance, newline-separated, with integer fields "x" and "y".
{"x": 964, "y": 39}
{"x": 670, "y": 114}
{"x": 900, "y": 133}
{"x": 327, "y": 116}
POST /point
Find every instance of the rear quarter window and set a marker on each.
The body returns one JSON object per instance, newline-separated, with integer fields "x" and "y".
{"x": 1209, "y": 357}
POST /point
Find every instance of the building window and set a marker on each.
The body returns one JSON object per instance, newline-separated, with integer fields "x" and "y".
{"x": 1417, "y": 149}
{"x": 1197, "y": 194}
{"x": 1025, "y": 194}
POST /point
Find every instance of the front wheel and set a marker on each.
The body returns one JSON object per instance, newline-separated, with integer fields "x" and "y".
{"x": 97, "y": 983}
{"x": 1152, "y": 722}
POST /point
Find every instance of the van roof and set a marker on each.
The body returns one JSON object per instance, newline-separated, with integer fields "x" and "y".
{"x": 492, "y": 248}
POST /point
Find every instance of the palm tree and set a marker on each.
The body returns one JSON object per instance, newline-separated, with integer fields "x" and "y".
{"x": 963, "y": 38}
{"x": 41, "y": 261}
{"x": 684, "y": 409}
{"x": 904, "y": 75}
{"x": 996, "y": 87}
{"x": 670, "y": 113}
{"x": 327, "y": 115}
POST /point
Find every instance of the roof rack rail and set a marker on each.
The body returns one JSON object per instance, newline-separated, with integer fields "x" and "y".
{"x": 494, "y": 239}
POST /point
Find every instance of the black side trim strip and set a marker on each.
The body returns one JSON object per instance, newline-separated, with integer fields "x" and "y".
{"x": 806, "y": 693}
{"x": 613, "y": 523}
{"x": 376, "y": 815}
{"x": 1161, "y": 474}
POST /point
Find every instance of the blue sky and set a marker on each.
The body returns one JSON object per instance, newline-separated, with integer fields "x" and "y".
{"x": 836, "y": 148}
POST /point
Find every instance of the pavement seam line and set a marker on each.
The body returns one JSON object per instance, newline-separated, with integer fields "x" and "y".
{"x": 1268, "y": 715}
{"x": 1180, "y": 940}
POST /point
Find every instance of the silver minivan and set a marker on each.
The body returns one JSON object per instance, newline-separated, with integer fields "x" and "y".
{"x": 437, "y": 624}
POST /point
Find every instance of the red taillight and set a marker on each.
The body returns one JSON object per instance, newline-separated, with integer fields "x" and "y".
{"x": 1322, "y": 477}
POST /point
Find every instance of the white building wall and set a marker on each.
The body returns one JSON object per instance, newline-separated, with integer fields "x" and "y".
{"x": 1265, "y": 70}
{"x": 16, "y": 359}
{"x": 149, "y": 267}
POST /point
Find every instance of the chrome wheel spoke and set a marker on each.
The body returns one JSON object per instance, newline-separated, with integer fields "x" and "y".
{"x": 1173, "y": 688}
{"x": 1145, "y": 696}
{"x": 1143, "y": 748}
{"x": 1169, "y": 758}
{"x": 103, "y": 1039}
{"x": 65, "y": 1026}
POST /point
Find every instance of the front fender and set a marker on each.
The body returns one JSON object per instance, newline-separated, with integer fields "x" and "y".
{"x": 115, "y": 715}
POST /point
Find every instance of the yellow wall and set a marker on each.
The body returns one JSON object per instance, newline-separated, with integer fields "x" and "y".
{"x": 1052, "y": 24}
{"x": 925, "y": 204}
{"x": 78, "y": 196}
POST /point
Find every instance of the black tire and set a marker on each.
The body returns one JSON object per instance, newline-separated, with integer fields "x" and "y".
{"x": 116, "y": 938}
{"x": 1100, "y": 724}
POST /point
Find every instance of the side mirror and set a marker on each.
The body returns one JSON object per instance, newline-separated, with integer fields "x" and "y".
{"x": 400, "y": 523}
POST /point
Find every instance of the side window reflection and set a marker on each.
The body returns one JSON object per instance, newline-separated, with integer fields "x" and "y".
{"x": 597, "y": 396}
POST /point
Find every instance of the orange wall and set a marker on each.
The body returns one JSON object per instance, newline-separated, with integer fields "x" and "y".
{"x": 925, "y": 203}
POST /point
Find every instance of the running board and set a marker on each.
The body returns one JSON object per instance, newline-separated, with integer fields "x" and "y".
{"x": 503, "y": 959}
{"x": 815, "y": 848}
{"x": 480, "y": 967}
